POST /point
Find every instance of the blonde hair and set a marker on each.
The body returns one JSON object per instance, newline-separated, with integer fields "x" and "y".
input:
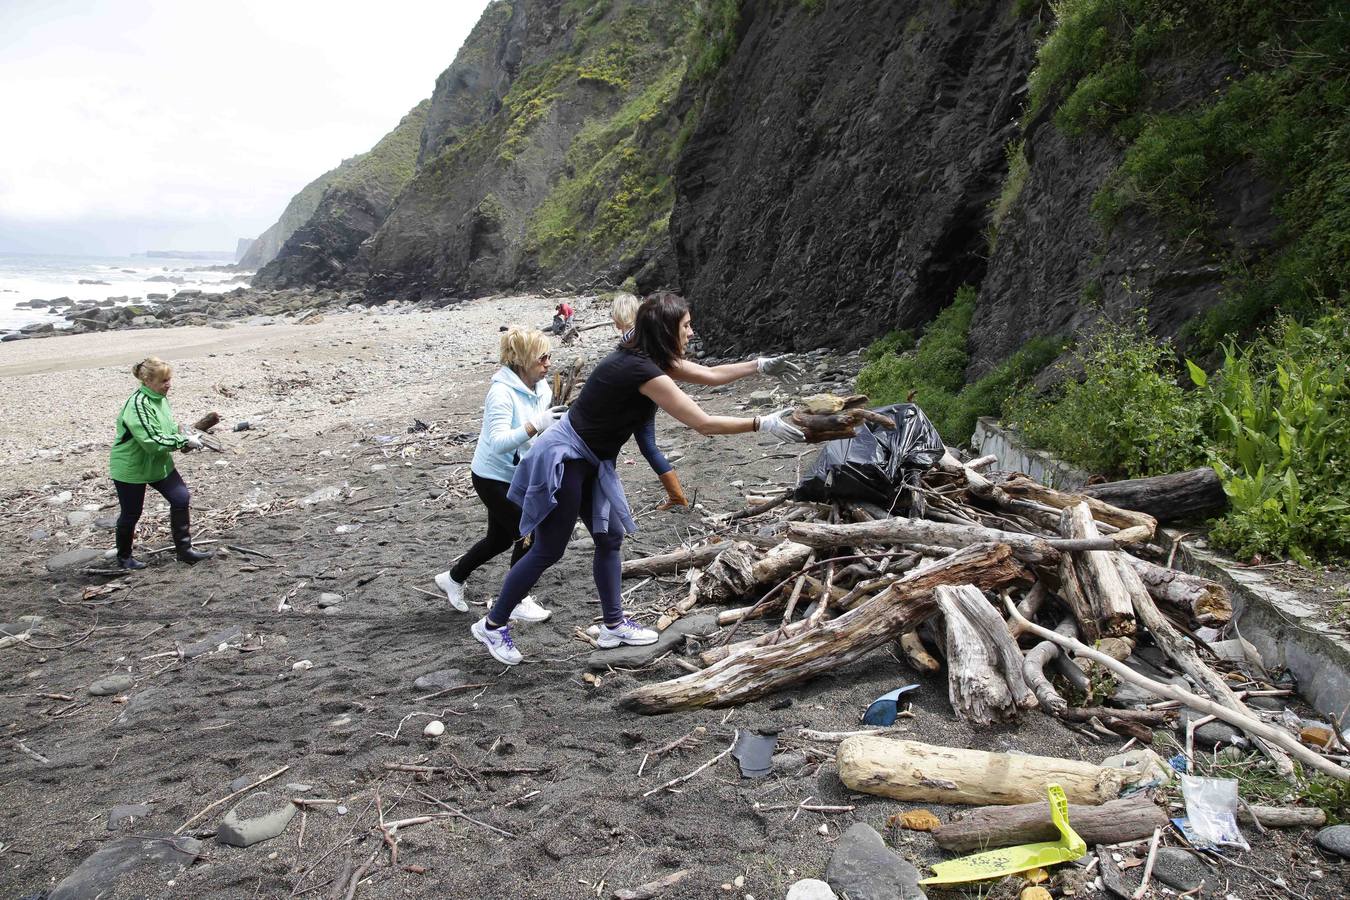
{"x": 522, "y": 346}
{"x": 624, "y": 311}
{"x": 151, "y": 367}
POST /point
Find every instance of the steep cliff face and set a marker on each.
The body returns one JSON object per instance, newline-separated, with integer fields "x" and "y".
{"x": 545, "y": 158}
{"x": 1149, "y": 181}
{"x": 838, "y": 180}
{"x": 268, "y": 244}
{"x": 352, "y": 203}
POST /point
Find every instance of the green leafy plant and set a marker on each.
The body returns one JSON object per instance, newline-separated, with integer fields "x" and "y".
{"x": 1127, "y": 416}
{"x": 934, "y": 370}
{"x": 1280, "y": 440}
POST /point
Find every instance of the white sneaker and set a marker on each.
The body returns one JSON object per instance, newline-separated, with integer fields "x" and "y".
{"x": 454, "y": 591}
{"x": 626, "y": 632}
{"x": 529, "y": 610}
{"x": 498, "y": 641}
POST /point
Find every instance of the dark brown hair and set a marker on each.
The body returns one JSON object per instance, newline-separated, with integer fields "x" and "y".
{"x": 656, "y": 330}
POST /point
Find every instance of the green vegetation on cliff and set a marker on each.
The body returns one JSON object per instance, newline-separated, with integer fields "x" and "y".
{"x": 1282, "y": 108}
{"x": 934, "y": 371}
{"x": 391, "y": 163}
{"x": 615, "y": 195}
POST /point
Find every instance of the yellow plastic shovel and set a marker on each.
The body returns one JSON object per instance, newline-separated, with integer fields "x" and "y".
{"x": 1011, "y": 860}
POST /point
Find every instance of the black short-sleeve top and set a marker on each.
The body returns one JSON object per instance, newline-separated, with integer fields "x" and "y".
{"x": 610, "y": 407}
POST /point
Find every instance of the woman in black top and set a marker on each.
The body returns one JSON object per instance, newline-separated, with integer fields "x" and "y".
{"x": 570, "y": 470}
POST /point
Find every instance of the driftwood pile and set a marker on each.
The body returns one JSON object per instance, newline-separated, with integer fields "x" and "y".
{"x": 1023, "y": 591}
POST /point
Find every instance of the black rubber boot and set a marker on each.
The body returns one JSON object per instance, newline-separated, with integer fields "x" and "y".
{"x": 125, "y": 536}
{"x": 180, "y": 520}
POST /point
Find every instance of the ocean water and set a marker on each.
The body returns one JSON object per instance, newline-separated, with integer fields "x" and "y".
{"x": 25, "y": 277}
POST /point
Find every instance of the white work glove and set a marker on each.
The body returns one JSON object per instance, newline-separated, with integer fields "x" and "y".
{"x": 780, "y": 427}
{"x": 543, "y": 420}
{"x": 780, "y": 367}
{"x": 193, "y": 443}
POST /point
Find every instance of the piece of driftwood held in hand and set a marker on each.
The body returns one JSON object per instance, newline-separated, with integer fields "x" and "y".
{"x": 1197, "y": 493}
{"x": 1113, "y": 822}
{"x": 826, "y": 417}
{"x": 757, "y": 671}
{"x": 925, "y": 773}
{"x": 1253, "y": 727}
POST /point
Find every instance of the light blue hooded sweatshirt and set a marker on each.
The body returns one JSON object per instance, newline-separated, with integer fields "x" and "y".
{"x": 503, "y": 440}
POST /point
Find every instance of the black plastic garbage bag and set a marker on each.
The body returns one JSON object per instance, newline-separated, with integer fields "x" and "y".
{"x": 877, "y": 464}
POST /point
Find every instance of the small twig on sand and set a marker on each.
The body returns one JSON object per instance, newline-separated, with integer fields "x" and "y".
{"x": 684, "y": 778}
{"x": 451, "y": 690}
{"x": 31, "y": 753}
{"x": 361, "y": 873}
{"x": 1148, "y": 864}
{"x": 459, "y": 813}
{"x": 249, "y": 550}
{"x": 229, "y": 797}
{"x": 663, "y": 750}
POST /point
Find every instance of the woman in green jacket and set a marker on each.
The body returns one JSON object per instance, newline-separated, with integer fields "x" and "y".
{"x": 142, "y": 454}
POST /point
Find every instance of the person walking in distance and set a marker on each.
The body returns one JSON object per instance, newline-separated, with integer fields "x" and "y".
{"x": 570, "y": 470}
{"x": 142, "y": 454}
{"x": 623, "y": 311}
{"x": 517, "y": 409}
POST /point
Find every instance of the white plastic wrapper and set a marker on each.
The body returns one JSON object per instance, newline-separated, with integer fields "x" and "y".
{"x": 1211, "y": 806}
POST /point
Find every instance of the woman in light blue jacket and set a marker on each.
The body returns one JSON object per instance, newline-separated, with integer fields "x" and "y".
{"x": 517, "y": 409}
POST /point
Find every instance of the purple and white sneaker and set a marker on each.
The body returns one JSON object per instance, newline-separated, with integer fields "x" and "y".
{"x": 498, "y": 641}
{"x": 626, "y": 632}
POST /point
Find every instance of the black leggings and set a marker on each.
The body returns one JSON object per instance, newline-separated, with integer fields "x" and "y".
{"x": 131, "y": 496}
{"x": 503, "y": 529}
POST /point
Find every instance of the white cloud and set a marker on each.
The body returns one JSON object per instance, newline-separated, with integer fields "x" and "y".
{"x": 207, "y": 115}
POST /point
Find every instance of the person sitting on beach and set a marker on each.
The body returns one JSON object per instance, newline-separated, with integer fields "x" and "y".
{"x": 623, "y": 311}
{"x": 142, "y": 454}
{"x": 517, "y": 409}
{"x": 570, "y": 470}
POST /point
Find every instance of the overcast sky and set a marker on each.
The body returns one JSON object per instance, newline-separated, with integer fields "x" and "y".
{"x": 170, "y": 124}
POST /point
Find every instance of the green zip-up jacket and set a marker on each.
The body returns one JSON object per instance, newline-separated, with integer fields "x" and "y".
{"x": 146, "y": 437}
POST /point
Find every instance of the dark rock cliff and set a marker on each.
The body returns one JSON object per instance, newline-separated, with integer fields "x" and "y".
{"x": 544, "y": 156}
{"x": 354, "y": 200}
{"x": 838, "y": 181}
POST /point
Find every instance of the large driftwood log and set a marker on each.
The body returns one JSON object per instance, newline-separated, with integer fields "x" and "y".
{"x": 977, "y": 690}
{"x": 728, "y": 577}
{"x": 673, "y": 562}
{"x": 1134, "y": 527}
{"x": 1181, "y": 495}
{"x": 923, "y": 773}
{"x": 1179, "y": 650}
{"x": 1098, "y": 577}
{"x": 1204, "y": 600}
{"x": 994, "y": 630}
{"x": 1114, "y": 822}
{"x": 900, "y": 530}
{"x": 904, "y": 605}
{"x": 780, "y": 562}
{"x": 1247, "y": 723}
